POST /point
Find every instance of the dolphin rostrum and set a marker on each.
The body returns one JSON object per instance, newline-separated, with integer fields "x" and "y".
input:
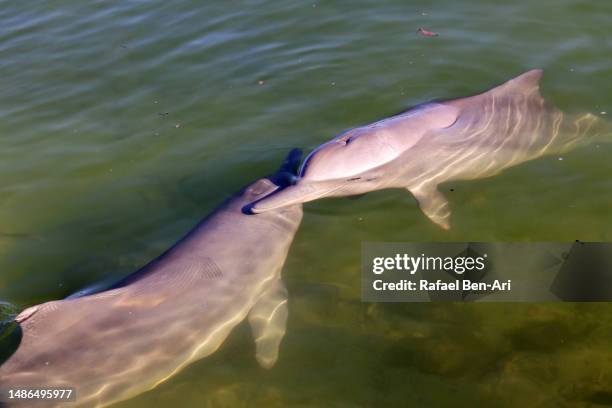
{"x": 179, "y": 308}
{"x": 459, "y": 139}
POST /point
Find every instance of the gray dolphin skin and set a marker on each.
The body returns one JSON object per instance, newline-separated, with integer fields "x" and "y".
{"x": 460, "y": 139}
{"x": 179, "y": 308}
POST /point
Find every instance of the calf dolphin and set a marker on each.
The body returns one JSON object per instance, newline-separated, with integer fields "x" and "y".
{"x": 179, "y": 308}
{"x": 460, "y": 139}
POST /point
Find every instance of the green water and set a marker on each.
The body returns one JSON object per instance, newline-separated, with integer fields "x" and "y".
{"x": 124, "y": 123}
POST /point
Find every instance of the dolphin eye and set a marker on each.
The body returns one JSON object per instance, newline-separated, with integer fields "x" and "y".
{"x": 354, "y": 179}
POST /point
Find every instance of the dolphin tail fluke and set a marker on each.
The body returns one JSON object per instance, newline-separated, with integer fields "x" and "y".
{"x": 602, "y": 128}
{"x": 287, "y": 173}
{"x": 268, "y": 320}
{"x": 292, "y": 161}
{"x": 579, "y": 130}
{"x": 433, "y": 204}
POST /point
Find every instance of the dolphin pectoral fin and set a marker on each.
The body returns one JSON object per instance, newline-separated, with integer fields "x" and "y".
{"x": 433, "y": 204}
{"x": 268, "y": 320}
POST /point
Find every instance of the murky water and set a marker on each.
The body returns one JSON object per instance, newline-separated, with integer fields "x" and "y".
{"x": 123, "y": 123}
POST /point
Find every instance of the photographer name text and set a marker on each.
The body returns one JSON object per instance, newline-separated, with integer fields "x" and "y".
{"x": 442, "y": 286}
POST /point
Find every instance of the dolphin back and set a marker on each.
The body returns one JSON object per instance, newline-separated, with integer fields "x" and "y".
{"x": 179, "y": 308}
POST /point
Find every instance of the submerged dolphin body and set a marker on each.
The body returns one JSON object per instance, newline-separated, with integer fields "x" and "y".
{"x": 460, "y": 139}
{"x": 179, "y": 308}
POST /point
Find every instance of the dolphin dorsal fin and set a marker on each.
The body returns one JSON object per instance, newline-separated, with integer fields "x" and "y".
{"x": 527, "y": 84}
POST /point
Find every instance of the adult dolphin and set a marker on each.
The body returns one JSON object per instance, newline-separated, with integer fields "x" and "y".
{"x": 459, "y": 139}
{"x": 179, "y": 308}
